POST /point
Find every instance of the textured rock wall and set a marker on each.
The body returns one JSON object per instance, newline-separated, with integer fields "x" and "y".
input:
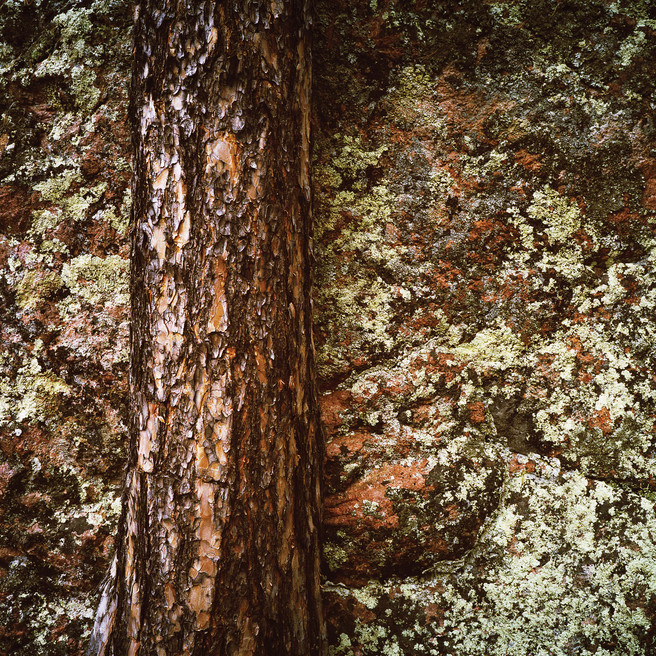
{"x": 486, "y": 283}
{"x": 64, "y": 205}
{"x": 485, "y": 192}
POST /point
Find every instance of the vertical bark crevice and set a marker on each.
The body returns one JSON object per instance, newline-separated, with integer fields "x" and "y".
{"x": 219, "y": 543}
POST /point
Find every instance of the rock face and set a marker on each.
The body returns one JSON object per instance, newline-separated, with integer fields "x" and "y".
{"x": 485, "y": 299}
{"x": 485, "y": 203}
{"x": 64, "y": 206}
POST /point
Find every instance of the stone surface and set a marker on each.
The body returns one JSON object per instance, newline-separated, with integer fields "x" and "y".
{"x": 565, "y": 566}
{"x": 64, "y": 205}
{"x": 485, "y": 299}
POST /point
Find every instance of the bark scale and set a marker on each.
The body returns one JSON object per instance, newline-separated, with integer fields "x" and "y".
{"x": 218, "y": 549}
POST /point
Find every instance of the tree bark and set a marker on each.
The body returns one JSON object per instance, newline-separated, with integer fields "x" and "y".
{"x": 218, "y": 546}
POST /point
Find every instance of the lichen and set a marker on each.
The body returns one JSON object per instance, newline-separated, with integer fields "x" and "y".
{"x": 65, "y": 206}
{"x": 32, "y": 394}
{"x": 333, "y": 555}
{"x": 96, "y": 280}
{"x": 552, "y": 581}
{"x": 82, "y": 85}
{"x": 358, "y": 212}
{"x": 73, "y": 57}
{"x": 36, "y": 286}
{"x": 513, "y": 257}
{"x": 410, "y": 101}
{"x": 560, "y": 218}
{"x": 497, "y": 348}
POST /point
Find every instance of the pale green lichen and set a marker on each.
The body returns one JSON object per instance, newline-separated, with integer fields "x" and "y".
{"x": 359, "y": 212}
{"x": 370, "y": 301}
{"x": 479, "y": 166}
{"x": 632, "y": 47}
{"x": 616, "y": 389}
{"x": 334, "y": 555}
{"x": 496, "y": 348}
{"x": 32, "y": 393}
{"x": 47, "y": 613}
{"x": 96, "y": 280}
{"x": 508, "y": 14}
{"x": 539, "y": 594}
{"x": 350, "y": 162}
{"x": 410, "y": 101}
{"x": 63, "y": 125}
{"x": 560, "y": 218}
{"x": 53, "y": 130}
{"x": 72, "y": 57}
{"x": 342, "y": 648}
{"x": 566, "y": 565}
{"x": 369, "y": 637}
{"x": 553, "y": 579}
{"x": 86, "y": 94}
{"x": 54, "y": 190}
{"x": 639, "y": 10}
{"x": 35, "y": 287}
{"x": 368, "y": 596}
{"x": 65, "y": 205}
{"x": 556, "y": 220}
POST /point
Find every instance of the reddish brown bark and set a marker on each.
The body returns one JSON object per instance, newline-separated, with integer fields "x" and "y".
{"x": 219, "y": 547}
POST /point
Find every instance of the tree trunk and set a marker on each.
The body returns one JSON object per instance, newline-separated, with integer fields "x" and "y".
{"x": 218, "y": 549}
